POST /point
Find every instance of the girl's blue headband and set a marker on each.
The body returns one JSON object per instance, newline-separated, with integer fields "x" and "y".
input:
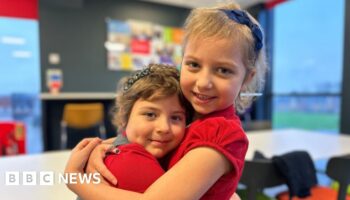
{"x": 241, "y": 17}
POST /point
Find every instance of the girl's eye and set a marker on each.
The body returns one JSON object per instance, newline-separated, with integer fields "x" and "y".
{"x": 150, "y": 115}
{"x": 224, "y": 71}
{"x": 192, "y": 65}
{"x": 177, "y": 118}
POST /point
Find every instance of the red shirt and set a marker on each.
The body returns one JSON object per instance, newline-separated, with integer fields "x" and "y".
{"x": 222, "y": 131}
{"x": 134, "y": 167}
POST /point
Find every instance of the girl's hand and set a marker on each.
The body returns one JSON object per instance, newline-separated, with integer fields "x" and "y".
{"x": 235, "y": 197}
{"x": 96, "y": 164}
{"x": 80, "y": 155}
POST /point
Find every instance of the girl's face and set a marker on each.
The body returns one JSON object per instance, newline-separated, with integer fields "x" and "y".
{"x": 212, "y": 74}
{"x": 157, "y": 125}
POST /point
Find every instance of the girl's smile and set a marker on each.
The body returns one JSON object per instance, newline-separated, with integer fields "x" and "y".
{"x": 202, "y": 98}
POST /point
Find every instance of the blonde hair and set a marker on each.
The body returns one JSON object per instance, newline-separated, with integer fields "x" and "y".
{"x": 212, "y": 22}
{"x": 158, "y": 81}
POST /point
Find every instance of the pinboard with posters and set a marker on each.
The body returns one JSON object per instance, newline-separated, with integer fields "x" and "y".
{"x": 132, "y": 44}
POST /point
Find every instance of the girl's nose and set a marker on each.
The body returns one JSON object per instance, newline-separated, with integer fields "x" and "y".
{"x": 204, "y": 81}
{"x": 163, "y": 126}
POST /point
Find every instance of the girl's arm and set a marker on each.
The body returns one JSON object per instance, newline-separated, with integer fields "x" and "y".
{"x": 192, "y": 176}
{"x": 189, "y": 179}
{"x": 95, "y": 161}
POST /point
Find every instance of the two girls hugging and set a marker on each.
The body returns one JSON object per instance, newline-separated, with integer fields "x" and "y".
{"x": 180, "y": 137}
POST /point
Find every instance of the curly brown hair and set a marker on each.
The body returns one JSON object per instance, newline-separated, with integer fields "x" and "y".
{"x": 159, "y": 82}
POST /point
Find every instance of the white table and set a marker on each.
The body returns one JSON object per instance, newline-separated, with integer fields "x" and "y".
{"x": 276, "y": 142}
{"x": 54, "y": 161}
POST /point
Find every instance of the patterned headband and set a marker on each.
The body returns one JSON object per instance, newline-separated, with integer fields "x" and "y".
{"x": 242, "y": 17}
{"x": 138, "y": 75}
{"x": 145, "y": 72}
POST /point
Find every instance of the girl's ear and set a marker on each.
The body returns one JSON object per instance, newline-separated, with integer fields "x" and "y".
{"x": 250, "y": 75}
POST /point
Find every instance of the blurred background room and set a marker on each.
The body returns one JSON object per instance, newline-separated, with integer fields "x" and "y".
{"x": 61, "y": 60}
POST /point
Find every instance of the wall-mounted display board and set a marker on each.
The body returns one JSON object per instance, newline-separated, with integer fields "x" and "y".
{"x": 133, "y": 44}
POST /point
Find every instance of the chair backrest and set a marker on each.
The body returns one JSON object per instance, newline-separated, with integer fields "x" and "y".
{"x": 299, "y": 171}
{"x": 83, "y": 115}
{"x": 259, "y": 174}
{"x": 338, "y": 168}
{"x": 81, "y": 120}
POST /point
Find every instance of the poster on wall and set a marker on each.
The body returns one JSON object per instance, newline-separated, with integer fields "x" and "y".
{"x": 133, "y": 44}
{"x": 54, "y": 80}
{"x": 118, "y": 45}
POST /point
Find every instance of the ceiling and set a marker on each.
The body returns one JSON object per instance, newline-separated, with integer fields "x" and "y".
{"x": 179, "y": 3}
{"x": 205, "y": 3}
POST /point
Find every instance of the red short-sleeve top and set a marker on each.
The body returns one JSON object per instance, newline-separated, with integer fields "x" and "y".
{"x": 134, "y": 167}
{"x": 222, "y": 131}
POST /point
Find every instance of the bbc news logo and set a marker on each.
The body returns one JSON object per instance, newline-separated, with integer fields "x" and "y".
{"x": 49, "y": 178}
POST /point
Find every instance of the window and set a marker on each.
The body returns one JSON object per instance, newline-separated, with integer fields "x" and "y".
{"x": 20, "y": 77}
{"x": 307, "y": 64}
